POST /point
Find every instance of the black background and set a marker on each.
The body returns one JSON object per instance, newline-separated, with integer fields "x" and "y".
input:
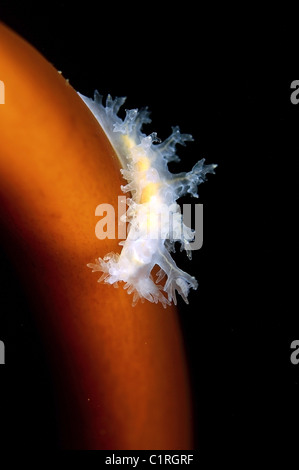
{"x": 241, "y": 321}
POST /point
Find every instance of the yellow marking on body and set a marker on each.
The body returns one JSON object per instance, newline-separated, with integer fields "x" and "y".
{"x": 149, "y": 191}
{"x": 128, "y": 141}
{"x": 143, "y": 164}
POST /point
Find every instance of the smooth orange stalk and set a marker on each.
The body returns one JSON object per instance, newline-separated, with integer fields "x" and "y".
{"x": 121, "y": 372}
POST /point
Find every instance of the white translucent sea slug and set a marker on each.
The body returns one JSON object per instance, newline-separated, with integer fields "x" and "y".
{"x": 154, "y": 217}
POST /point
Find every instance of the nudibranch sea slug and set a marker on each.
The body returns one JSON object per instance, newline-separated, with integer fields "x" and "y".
{"x": 154, "y": 216}
{"x": 111, "y": 370}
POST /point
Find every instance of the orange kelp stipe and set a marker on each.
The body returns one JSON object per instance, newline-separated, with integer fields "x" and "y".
{"x": 120, "y": 372}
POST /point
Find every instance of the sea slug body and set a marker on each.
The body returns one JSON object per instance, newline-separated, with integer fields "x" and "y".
{"x": 154, "y": 217}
